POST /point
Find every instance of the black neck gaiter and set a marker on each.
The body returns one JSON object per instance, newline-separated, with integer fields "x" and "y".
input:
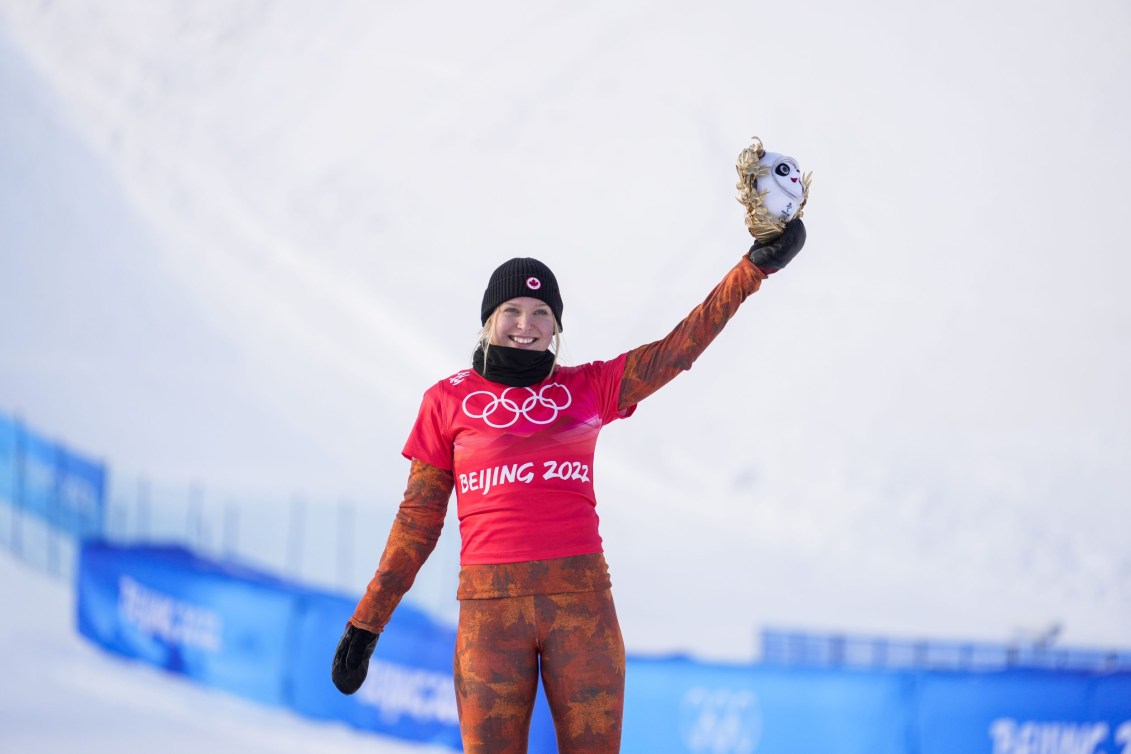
{"x": 517, "y": 367}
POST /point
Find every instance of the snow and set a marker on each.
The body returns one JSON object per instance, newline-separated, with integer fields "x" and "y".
{"x": 239, "y": 240}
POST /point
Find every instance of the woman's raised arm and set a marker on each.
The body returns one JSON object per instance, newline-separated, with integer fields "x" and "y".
{"x": 650, "y": 367}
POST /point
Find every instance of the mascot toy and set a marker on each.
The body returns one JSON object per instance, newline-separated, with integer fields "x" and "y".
{"x": 772, "y": 189}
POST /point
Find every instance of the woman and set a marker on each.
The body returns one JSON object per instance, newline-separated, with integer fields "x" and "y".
{"x": 515, "y": 436}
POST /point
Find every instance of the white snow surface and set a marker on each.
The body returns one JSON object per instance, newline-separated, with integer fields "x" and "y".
{"x": 239, "y": 239}
{"x": 60, "y": 693}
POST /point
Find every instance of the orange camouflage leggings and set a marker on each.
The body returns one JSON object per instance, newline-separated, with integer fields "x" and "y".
{"x": 574, "y": 638}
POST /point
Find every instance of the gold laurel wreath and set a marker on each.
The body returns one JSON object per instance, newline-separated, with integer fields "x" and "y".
{"x": 761, "y": 224}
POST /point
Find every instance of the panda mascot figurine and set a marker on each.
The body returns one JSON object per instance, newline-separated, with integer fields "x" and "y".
{"x": 772, "y": 188}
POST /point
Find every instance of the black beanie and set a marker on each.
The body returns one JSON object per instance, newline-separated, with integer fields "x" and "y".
{"x": 522, "y": 276}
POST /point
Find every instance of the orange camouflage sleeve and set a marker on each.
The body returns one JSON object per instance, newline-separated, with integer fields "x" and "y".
{"x": 415, "y": 531}
{"x": 650, "y": 367}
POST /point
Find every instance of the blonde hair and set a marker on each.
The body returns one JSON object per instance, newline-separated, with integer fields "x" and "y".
{"x": 484, "y": 339}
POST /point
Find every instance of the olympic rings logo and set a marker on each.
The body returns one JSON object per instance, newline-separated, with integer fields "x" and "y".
{"x": 720, "y": 721}
{"x": 502, "y": 411}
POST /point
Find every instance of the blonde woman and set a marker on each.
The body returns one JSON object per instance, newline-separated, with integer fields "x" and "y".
{"x": 514, "y": 436}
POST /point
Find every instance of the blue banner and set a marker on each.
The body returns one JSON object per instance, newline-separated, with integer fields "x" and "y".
{"x": 8, "y": 460}
{"x": 221, "y": 625}
{"x": 1024, "y": 712}
{"x": 37, "y": 491}
{"x": 80, "y": 486}
{"x": 679, "y": 705}
{"x": 45, "y": 479}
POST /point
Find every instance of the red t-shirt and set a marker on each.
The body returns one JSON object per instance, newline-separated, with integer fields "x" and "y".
{"x": 522, "y": 458}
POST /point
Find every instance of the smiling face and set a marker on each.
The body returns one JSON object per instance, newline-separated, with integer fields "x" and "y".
{"x": 524, "y": 323}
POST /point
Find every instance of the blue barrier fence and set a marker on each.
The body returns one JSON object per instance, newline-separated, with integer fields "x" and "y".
{"x": 838, "y": 650}
{"x": 269, "y": 640}
{"x": 46, "y": 480}
{"x": 678, "y": 705}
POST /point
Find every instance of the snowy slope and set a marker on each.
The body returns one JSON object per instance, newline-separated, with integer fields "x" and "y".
{"x": 240, "y": 239}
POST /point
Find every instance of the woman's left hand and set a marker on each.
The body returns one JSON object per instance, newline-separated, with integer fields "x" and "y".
{"x": 774, "y": 255}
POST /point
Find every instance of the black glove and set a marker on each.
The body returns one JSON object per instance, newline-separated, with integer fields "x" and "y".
{"x": 351, "y": 658}
{"x": 774, "y": 255}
